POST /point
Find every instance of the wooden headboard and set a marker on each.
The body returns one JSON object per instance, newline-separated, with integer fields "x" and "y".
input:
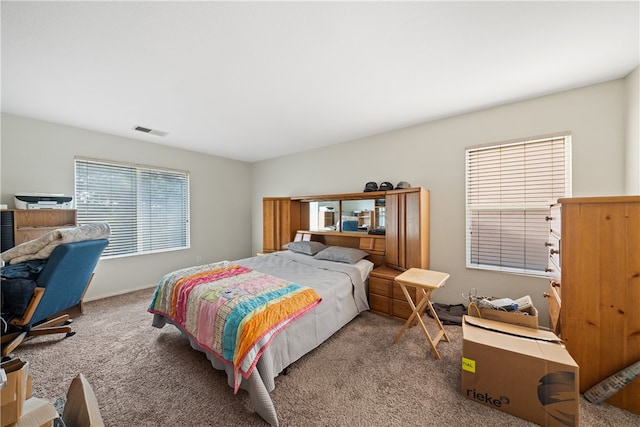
{"x": 373, "y": 244}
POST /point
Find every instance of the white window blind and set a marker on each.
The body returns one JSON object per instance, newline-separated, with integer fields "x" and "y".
{"x": 509, "y": 188}
{"x": 146, "y": 207}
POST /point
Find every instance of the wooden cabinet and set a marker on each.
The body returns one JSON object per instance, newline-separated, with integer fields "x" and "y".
{"x": 407, "y": 228}
{"x": 385, "y": 295}
{"x": 22, "y": 225}
{"x": 407, "y": 246}
{"x": 598, "y": 287}
{"x": 281, "y": 220}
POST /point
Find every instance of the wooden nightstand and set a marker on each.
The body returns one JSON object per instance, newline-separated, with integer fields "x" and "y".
{"x": 386, "y": 297}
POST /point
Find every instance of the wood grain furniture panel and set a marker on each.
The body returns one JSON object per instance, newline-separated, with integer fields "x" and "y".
{"x": 385, "y": 295}
{"x": 600, "y": 289}
{"x": 407, "y": 229}
{"x": 29, "y": 224}
{"x": 554, "y": 303}
{"x": 281, "y": 220}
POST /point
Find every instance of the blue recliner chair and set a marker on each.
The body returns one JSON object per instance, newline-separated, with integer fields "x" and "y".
{"x": 60, "y": 285}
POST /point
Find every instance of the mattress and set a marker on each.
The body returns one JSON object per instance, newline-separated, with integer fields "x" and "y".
{"x": 342, "y": 289}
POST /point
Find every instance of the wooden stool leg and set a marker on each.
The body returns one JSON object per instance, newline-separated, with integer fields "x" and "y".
{"x": 416, "y": 313}
{"x": 425, "y": 303}
{"x": 432, "y": 342}
{"x": 410, "y": 319}
{"x": 437, "y": 319}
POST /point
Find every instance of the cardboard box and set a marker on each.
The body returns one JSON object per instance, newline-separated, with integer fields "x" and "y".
{"x": 14, "y": 392}
{"x": 37, "y": 413}
{"x": 527, "y": 317}
{"x": 81, "y": 408}
{"x": 522, "y": 371}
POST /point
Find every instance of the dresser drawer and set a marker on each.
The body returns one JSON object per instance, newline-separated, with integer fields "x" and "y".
{"x": 380, "y": 286}
{"x": 555, "y": 252}
{"x": 385, "y": 295}
{"x": 380, "y": 303}
{"x": 398, "y": 294}
{"x": 400, "y": 308}
{"x": 554, "y": 270}
{"x": 554, "y": 242}
{"x": 381, "y": 290}
{"x": 554, "y": 304}
{"x": 555, "y": 220}
{"x": 554, "y": 245}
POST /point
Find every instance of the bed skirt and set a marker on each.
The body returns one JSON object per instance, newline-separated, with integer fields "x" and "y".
{"x": 257, "y": 389}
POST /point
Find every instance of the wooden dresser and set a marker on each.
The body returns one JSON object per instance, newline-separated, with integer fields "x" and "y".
{"x": 594, "y": 300}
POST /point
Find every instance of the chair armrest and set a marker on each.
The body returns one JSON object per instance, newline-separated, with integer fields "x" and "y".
{"x": 31, "y": 308}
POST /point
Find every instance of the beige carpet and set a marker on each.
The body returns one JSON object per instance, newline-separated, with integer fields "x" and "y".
{"x": 143, "y": 376}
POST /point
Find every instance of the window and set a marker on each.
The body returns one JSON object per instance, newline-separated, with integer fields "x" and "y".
{"x": 509, "y": 188}
{"x": 146, "y": 207}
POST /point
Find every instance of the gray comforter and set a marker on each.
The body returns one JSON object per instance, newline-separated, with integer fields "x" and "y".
{"x": 343, "y": 297}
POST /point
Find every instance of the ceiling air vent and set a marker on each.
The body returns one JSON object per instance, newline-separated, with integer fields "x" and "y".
{"x": 150, "y": 131}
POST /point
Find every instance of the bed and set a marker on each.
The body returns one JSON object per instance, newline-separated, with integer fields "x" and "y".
{"x": 340, "y": 286}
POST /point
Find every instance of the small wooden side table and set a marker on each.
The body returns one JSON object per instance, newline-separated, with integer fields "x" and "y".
{"x": 425, "y": 281}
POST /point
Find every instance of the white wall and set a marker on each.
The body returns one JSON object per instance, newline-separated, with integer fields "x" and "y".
{"x": 632, "y": 167}
{"x": 431, "y": 155}
{"x": 37, "y": 156}
{"x": 226, "y": 195}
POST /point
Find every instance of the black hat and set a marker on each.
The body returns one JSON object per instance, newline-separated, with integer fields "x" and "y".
{"x": 386, "y": 186}
{"x": 370, "y": 186}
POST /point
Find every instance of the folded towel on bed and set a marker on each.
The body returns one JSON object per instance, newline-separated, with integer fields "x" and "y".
{"x": 42, "y": 247}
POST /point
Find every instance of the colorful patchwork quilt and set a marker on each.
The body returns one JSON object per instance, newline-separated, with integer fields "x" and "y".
{"x": 230, "y": 310}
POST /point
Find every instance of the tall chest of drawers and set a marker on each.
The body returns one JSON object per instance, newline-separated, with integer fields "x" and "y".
{"x": 594, "y": 263}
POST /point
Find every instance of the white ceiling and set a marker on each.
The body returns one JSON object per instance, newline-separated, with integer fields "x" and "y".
{"x": 252, "y": 81}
